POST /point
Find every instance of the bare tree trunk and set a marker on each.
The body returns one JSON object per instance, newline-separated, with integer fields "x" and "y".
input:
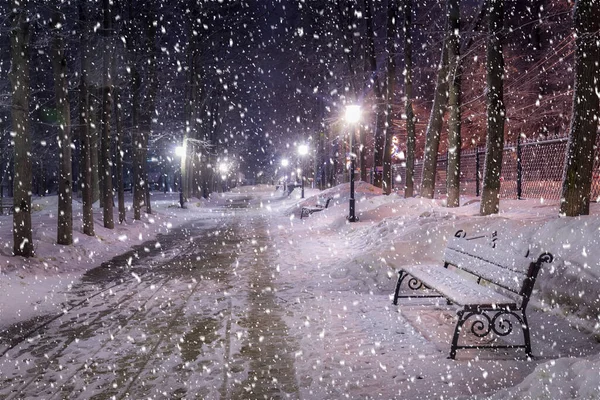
{"x": 577, "y": 177}
{"x": 133, "y": 46}
{"x": 119, "y": 158}
{"x": 95, "y": 144}
{"x": 490, "y": 197}
{"x": 59, "y": 64}
{"x": 147, "y": 193}
{"x": 107, "y": 192}
{"x": 118, "y": 110}
{"x": 138, "y": 172}
{"x": 434, "y": 127}
{"x": 84, "y": 126}
{"x": 410, "y": 115}
{"x": 371, "y": 59}
{"x": 190, "y": 110}
{"x": 19, "y": 77}
{"x": 454, "y": 104}
{"x": 362, "y": 152}
{"x": 148, "y": 105}
{"x": 392, "y": 20}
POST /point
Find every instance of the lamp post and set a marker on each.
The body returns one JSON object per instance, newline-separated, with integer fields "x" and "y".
{"x": 302, "y": 150}
{"x": 224, "y": 170}
{"x": 180, "y": 152}
{"x": 352, "y": 117}
{"x": 284, "y": 164}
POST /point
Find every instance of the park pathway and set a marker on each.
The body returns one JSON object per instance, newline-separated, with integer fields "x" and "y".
{"x": 194, "y": 315}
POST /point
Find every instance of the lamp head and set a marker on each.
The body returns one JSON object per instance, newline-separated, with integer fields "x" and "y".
{"x": 303, "y": 149}
{"x": 352, "y": 114}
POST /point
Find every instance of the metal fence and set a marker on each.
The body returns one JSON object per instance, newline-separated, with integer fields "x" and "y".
{"x": 530, "y": 169}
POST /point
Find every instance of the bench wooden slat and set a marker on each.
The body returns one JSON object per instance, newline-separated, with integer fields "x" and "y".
{"x": 306, "y": 211}
{"x": 456, "y": 288}
{"x": 506, "y": 278}
{"x": 495, "y": 255}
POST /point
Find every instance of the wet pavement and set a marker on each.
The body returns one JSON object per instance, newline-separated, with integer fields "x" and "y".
{"x": 192, "y": 315}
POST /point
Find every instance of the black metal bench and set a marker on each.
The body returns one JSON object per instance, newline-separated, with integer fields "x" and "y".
{"x": 490, "y": 308}
{"x": 7, "y": 208}
{"x": 306, "y": 211}
{"x": 291, "y": 186}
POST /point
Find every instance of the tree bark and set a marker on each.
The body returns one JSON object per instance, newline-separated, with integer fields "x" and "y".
{"x": 191, "y": 106}
{"x": 578, "y": 174}
{"x": 107, "y": 192}
{"x": 119, "y": 156}
{"x": 362, "y": 153}
{"x": 59, "y": 65}
{"x": 490, "y": 196}
{"x": 118, "y": 110}
{"x": 96, "y": 161}
{"x": 434, "y": 127}
{"x": 19, "y": 77}
{"x": 390, "y": 88}
{"x": 454, "y": 104}
{"x": 138, "y": 171}
{"x": 84, "y": 126}
{"x": 371, "y": 59}
{"x": 410, "y": 115}
{"x": 149, "y": 105}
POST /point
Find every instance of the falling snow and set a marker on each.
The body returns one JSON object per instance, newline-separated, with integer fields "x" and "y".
{"x": 325, "y": 284}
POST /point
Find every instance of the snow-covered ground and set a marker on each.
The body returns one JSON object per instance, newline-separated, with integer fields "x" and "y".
{"x": 29, "y": 287}
{"x": 326, "y": 254}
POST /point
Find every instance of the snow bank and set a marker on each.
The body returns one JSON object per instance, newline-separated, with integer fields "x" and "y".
{"x": 38, "y": 285}
{"x": 564, "y": 378}
{"x": 393, "y": 231}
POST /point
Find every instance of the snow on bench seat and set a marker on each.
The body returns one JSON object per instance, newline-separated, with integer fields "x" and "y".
{"x": 491, "y": 310}
{"x": 457, "y": 289}
{"x": 503, "y": 268}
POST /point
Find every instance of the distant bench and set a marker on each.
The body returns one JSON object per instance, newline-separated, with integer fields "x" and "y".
{"x": 306, "y": 211}
{"x": 492, "y": 310}
{"x": 7, "y": 207}
{"x": 291, "y": 186}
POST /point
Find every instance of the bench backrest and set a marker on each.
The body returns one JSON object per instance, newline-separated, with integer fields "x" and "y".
{"x": 511, "y": 271}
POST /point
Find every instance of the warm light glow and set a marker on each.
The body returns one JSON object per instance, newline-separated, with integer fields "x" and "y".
{"x": 352, "y": 115}
{"x": 303, "y": 149}
{"x": 180, "y": 151}
{"x": 285, "y": 162}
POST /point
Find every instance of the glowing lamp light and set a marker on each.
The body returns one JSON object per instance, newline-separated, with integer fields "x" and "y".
{"x": 180, "y": 151}
{"x": 352, "y": 115}
{"x": 303, "y": 149}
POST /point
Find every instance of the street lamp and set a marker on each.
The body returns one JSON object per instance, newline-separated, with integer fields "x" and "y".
{"x": 302, "y": 150}
{"x": 224, "y": 170}
{"x": 284, "y": 164}
{"x": 352, "y": 117}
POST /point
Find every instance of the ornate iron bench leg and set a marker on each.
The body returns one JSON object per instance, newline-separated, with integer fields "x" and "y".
{"x": 457, "y": 330}
{"x": 526, "y": 336}
{"x": 401, "y": 276}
